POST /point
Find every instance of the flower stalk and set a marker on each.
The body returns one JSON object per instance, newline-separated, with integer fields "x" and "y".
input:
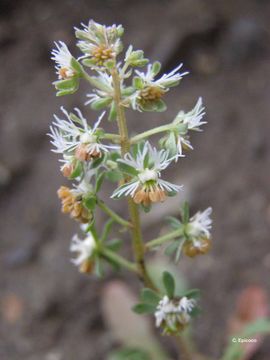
{"x": 163, "y": 239}
{"x": 137, "y": 241}
{"x": 113, "y": 214}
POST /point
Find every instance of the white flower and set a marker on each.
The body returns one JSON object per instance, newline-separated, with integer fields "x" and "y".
{"x": 173, "y": 314}
{"x": 151, "y": 91}
{"x": 193, "y": 118}
{"x": 75, "y": 135}
{"x": 146, "y": 185}
{"x": 184, "y": 122}
{"x": 62, "y": 56}
{"x": 165, "y": 81}
{"x": 200, "y": 224}
{"x": 83, "y": 249}
{"x": 99, "y": 42}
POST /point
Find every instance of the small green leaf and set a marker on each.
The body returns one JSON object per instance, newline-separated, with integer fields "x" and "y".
{"x": 101, "y": 103}
{"x": 185, "y": 212}
{"x": 66, "y": 92}
{"x": 112, "y": 113}
{"x": 138, "y": 83}
{"x": 99, "y": 271}
{"x": 76, "y": 66}
{"x": 169, "y": 284}
{"x": 99, "y": 181}
{"x": 193, "y": 293}
{"x": 65, "y": 84}
{"x": 88, "y": 62}
{"x": 160, "y": 106}
{"x": 149, "y": 296}
{"x": 175, "y": 223}
{"x": 144, "y": 308}
{"x": 90, "y": 202}
{"x": 114, "y": 175}
{"x": 172, "y": 248}
{"x": 97, "y": 162}
{"x": 156, "y": 68}
{"x": 127, "y": 169}
{"x": 77, "y": 170}
{"x": 114, "y": 244}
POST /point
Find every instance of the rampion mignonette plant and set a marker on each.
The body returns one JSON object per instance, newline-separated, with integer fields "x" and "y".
{"x": 91, "y": 155}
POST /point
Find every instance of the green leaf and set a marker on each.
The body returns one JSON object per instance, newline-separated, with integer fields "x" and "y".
{"x": 138, "y": 83}
{"x": 99, "y": 271}
{"x": 114, "y": 244}
{"x": 129, "y": 354}
{"x": 76, "y": 66}
{"x": 169, "y": 284}
{"x": 101, "y": 103}
{"x": 114, "y": 175}
{"x": 185, "y": 212}
{"x": 88, "y": 62}
{"x": 66, "y": 92}
{"x": 90, "y": 202}
{"x": 97, "y": 162}
{"x": 77, "y": 170}
{"x": 172, "y": 248}
{"x": 99, "y": 181}
{"x": 156, "y": 66}
{"x": 175, "y": 223}
{"x": 149, "y": 296}
{"x": 127, "y": 169}
{"x": 112, "y": 113}
{"x": 234, "y": 351}
{"x": 160, "y": 106}
{"x": 193, "y": 293}
{"x": 143, "y": 308}
{"x": 65, "y": 84}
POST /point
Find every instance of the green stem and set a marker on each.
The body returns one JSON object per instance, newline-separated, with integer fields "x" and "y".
{"x": 151, "y": 132}
{"x": 111, "y": 255}
{"x": 112, "y": 214}
{"x": 162, "y": 239}
{"x": 137, "y": 240}
{"x": 113, "y": 137}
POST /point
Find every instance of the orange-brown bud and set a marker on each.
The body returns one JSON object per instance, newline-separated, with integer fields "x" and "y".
{"x": 147, "y": 195}
{"x": 87, "y": 266}
{"x": 191, "y": 250}
{"x": 73, "y": 206}
{"x": 67, "y": 170}
{"x": 82, "y": 153}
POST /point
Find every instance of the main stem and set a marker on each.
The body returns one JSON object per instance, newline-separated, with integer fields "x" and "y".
{"x": 137, "y": 241}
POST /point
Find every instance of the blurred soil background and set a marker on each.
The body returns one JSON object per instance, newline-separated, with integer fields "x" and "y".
{"x": 48, "y": 311}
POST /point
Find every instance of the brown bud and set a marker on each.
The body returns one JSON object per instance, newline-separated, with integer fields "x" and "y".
{"x": 191, "y": 250}
{"x": 87, "y": 266}
{"x": 67, "y": 170}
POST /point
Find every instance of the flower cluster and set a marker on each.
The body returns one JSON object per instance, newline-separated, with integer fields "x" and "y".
{"x": 149, "y": 91}
{"x": 173, "y": 315}
{"x": 90, "y": 156}
{"x": 198, "y": 237}
{"x": 146, "y": 185}
{"x": 84, "y": 250}
{"x": 99, "y": 43}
